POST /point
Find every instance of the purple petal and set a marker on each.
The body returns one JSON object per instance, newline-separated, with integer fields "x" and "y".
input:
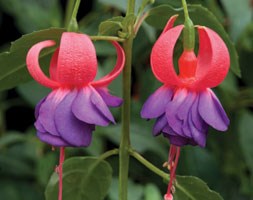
{"x": 198, "y": 136}
{"x": 109, "y": 99}
{"x": 74, "y": 131}
{"x": 169, "y": 131}
{"x": 184, "y": 108}
{"x": 172, "y": 110}
{"x": 52, "y": 140}
{"x": 86, "y": 111}
{"x": 39, "y": 127}
{"x": 179, "y": 141}
{"x": 221, "y": 110}
{"x": 37, "y": 108}
{"x": 212, "y": 112}
{"x": 156, "y": 104}
{"x": 186, "y": 129}
{"x": 99, "y": 103}
{"x": 160, "y": 123}
{"x": 47, "y": 109}
{"x": 198, "y": 122}
{"x": 184, "y": 111}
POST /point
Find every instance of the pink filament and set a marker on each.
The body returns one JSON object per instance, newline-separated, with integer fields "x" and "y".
{"x": 174, "y": 154}
{"x": 59, "y": 170}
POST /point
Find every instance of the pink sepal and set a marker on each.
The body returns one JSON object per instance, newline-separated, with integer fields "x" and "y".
{"x": 213, "y": 59}
{"x": 106, "y": 80}
{"x": 162, "y": 57}
{"x": 32, "y": 61}
{"x": 170, "y": 24}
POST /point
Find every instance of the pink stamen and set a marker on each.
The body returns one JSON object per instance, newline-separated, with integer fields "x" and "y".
{"x": 59, "y": 171}
{"x": 174, "y": 154}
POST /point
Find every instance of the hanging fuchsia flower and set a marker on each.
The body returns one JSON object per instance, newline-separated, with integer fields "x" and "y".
{"x": 68, "y": 115}
{"x": 185, "y": 106}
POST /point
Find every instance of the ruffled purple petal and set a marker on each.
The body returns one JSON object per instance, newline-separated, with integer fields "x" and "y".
{"x": 99, "y": 103}
{"x": 52, "y": 140}
{"x": 159, "y": 125}
{"x": 180, "y": 141}
{"x": 76, "y": 132}
{"x": 172, "y": 109}
{"x": 37, "y": 108}
{"x": 169, "y": 131}
{"x": 109, "y": 99}
{"x": 39, "y": 127}
{"x": 211, "y": 111}
{"x": 47, "y": 110}
{"x": 85, "y": 110}
{"x": 198, "y": 136}
{"x": 187, "y": 116}
{"x": 156, "y": 104}
{"x": 197, "y": 120}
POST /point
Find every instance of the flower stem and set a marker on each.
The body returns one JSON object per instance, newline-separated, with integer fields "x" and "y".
{"x": 109, "y": 153}
{"x": 72, "y": 24}
{"x": 109, "y": 38}
{"x": 149, "y": 165}
{"x": 189, "y": 31}
{"x": 125, "y": 134}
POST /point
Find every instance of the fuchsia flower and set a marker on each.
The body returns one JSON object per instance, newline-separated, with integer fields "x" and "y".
{"x": 68, "y": 115}
{"x": 185, "y": 106}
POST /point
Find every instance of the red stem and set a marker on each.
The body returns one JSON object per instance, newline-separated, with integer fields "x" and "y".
{"x": 174, "y": 154}
{"x": 61, "y": 160}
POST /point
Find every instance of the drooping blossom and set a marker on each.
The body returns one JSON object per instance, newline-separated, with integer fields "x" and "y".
{"x": 185, "y": 106}
{"x": 77, "y": 103}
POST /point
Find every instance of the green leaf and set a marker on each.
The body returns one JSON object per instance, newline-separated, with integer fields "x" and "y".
{"x": 16, "y": 189}
{"x": 13, "y": 64}
{"x": 11, "y": 138}
{"x": 15, "y": 167}
{"x": 245, "y": 50}
{"x": 246, "y": 137}
{"x": 193, "y": 188}
{"x": 240, "y": 17}
{"x": 33, "y": 15}
{"x": 110, "y": 26}
{"x": 158, "y": 17}
{"x": 83, "y": 178}
{"x": 45, "y": 165}
{"x": 33, "y": 92}
{"x": 152, "y": 192}
{"x": 135, "y": 191}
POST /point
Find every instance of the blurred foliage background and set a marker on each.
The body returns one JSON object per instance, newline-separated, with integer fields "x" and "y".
{"x": 226, "y": 164}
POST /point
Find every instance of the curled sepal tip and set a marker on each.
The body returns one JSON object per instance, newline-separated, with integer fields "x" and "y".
{"x": 32, "y": 61}
{"x": 106, "y": 80}
{"x": 213, "y": 59}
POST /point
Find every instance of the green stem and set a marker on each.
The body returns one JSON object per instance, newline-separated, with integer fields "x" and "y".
{"x": 69, "y": 9}
{"x": 149, "y": 165}
{"x": 130, "y": 7}
{"x": 110, "y": 38}
{"x": 108, "y": 154}
{"x": 186, "y": 14}
{"x": 125, "y": 134}
{"x": 72, "y": 23}
{"x": 189, "y": 31}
